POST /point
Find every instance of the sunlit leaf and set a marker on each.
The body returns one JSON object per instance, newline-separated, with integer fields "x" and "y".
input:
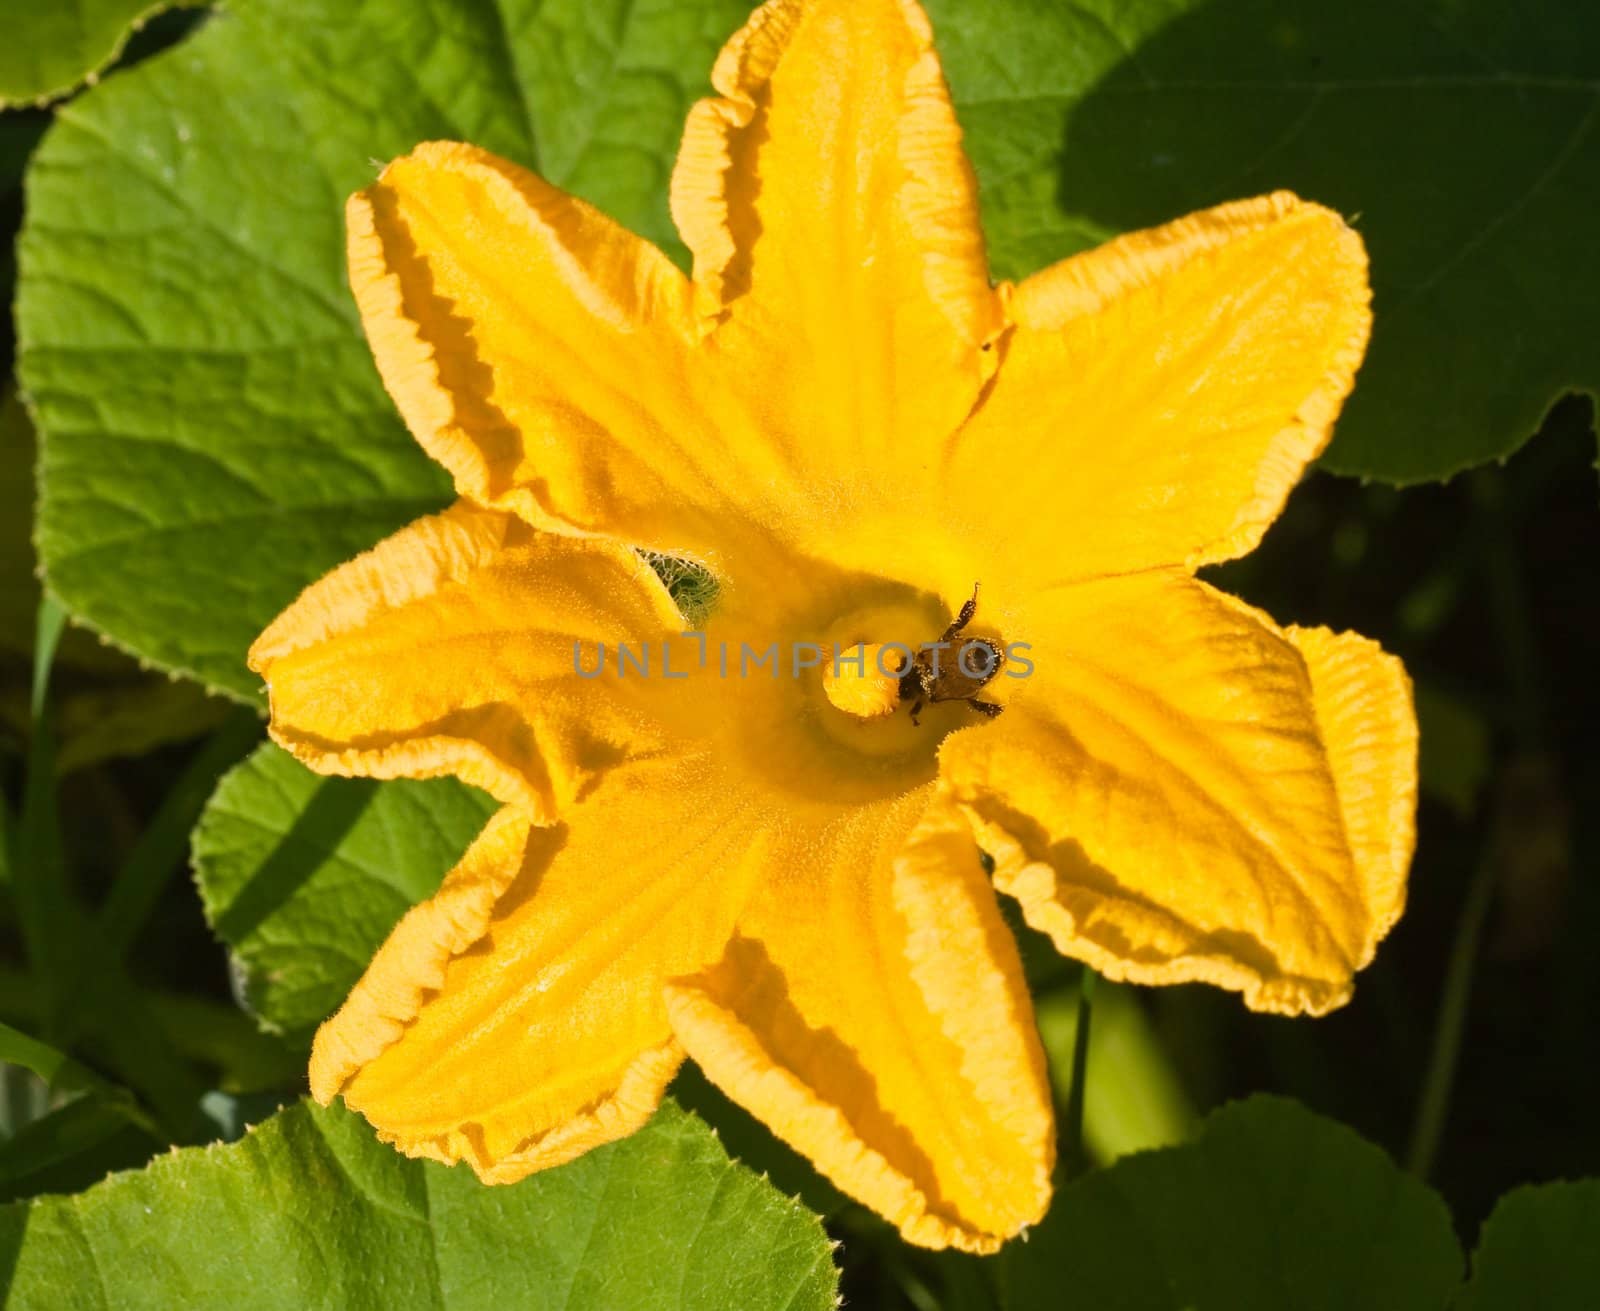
{"x": 106, "y": 705}
{"x": 51, "y": 48}
{"x": 311, "y": 1211}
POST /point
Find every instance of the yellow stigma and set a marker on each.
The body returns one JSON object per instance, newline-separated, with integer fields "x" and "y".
{"x": 857, "y": 685}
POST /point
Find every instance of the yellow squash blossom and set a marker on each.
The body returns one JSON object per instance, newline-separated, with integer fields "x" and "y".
{"x": 850, "y": 426}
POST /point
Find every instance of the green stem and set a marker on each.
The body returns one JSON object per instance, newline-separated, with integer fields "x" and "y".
{"x": 1502, "y": 574}
{"x": 66, "y": 960}
{"x": 161, "y": 847}
{"x": 1433, "y": 1108}
{"x": 204, "y": 1032}
{"x": 1139, "y": 1101}
{"x": 38, "y": 875}
{"x": 47, "y": 633}
{"x": 1077, "y": 1156}
{"x": 62, "y": 1074}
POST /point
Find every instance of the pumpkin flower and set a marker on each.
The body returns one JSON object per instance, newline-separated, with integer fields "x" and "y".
{"x": 845, "y": 422}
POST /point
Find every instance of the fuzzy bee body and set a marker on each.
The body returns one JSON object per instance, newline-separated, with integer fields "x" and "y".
{"x": 945, "y": 671}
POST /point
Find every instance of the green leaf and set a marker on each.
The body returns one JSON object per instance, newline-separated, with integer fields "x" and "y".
{"x": 214, "y": 433}
{"x": 1463, "y": 139}
{"x": 106, "y": 705}
{"x": 303, "y": 876}
{"x": 310, "y": 1211}
{"x": 1269, "y": 1207}
{"x": 51, "y": 48}
{"x": 1539, "y": 1251}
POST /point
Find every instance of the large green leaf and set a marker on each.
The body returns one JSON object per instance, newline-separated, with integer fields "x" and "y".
{"x": 1461, "y": 136}
{"x": 1270, "y": 1207}
{"x": 106, "y": 705}
{"x": 303, "y": 876}
{"x": 52, "y": 47}
{"x": 214, "y": 434}
{"x": 1540, "y": 1251}
{"x": 310, "y": 1211}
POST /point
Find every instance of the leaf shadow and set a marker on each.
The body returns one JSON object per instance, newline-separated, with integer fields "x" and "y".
{"x": 333, "y": 810}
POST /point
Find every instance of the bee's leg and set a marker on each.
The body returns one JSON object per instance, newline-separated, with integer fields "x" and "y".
{"x": 915, "y": 710}
{"x": 965, "y": 617}
{"x": 987, "y": 708}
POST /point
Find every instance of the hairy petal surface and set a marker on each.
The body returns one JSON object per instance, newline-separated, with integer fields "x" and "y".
{"x": 541, "y": 353}
{"x": 1183, "y": 791}
{"x": 872, "y": 1011}
{"x": 1160, "y": 396}
{"x": 833, "y": 219}
{"x": 448, "y": 649}
{"x": 518, "y": 1019}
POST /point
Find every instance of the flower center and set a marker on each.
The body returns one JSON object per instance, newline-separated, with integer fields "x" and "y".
{"x": 893, "y": 682}
{"x": 864, "y": 680}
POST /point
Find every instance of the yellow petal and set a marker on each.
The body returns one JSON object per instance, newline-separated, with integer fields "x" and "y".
{"x": 872, "y": 1011}
{"x": 833, "y": 220}
{"x": 1369, "y": 727}
{"x": 1159, "y": 397}
{"x": 1181, "y": 791}
{"x": 448, "y": 648}
{"x": 517, "y": 1019}
{"x": 538, "y": 350}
